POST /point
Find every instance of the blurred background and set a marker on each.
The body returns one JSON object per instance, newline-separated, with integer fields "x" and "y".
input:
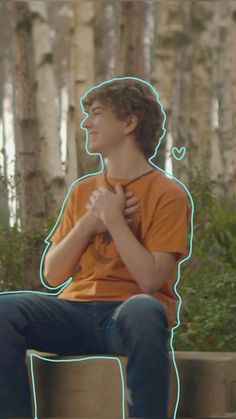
{"x": 51, "y": 53}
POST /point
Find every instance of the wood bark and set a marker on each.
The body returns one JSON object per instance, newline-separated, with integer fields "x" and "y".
{"x": 84, "y": 78}
{"x": 223, "y": 162}
{"x": 32, "y": 204}
{"x": 47, "y": 100}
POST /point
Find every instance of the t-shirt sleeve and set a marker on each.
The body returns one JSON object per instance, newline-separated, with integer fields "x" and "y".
{"x": 67, "y": 220}
{"x": 168, "y": 231}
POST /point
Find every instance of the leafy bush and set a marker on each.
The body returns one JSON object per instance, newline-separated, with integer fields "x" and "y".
{"x": 208, "y": 280}
{"x": 11, "y": 239}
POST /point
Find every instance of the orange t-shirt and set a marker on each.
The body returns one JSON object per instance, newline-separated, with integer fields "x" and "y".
{"x": 160, "y": 224}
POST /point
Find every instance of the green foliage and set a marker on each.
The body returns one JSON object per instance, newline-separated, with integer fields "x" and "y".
{"x": 10, "y": 266}
{"x": 208, "y": 280}
{"x": 11, "y": 239}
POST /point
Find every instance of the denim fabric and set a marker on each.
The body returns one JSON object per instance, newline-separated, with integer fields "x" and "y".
{"x": 136, "y": 327}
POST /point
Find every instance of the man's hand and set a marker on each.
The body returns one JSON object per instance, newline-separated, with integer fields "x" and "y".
{"x": 96, "y": 224}
{"x": 107, "y": 205}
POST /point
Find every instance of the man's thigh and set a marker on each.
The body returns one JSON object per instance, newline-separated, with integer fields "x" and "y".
{"x": 50, "y": 324}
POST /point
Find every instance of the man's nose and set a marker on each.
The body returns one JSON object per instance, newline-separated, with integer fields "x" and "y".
{"x": 86, "y": 124}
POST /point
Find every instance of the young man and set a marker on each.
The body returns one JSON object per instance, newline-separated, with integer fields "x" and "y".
{"x": 121, "y": 236}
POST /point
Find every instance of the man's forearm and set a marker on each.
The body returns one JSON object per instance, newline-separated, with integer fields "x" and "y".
{"x": 138, "y": 260}
{"x": 63, "y": 261}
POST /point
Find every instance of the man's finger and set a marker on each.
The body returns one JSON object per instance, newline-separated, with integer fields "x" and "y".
{"x": 102, "y": 188}
{"x": 95, "y": 193}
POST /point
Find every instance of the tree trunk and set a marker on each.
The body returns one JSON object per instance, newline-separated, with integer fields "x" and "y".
{"x": 105, "y": 40}
{"x": 47, "y": 109}
{"x": 32, "y": 204}
{"x": 225, "y": 92}
{"x": 132, "y": 18}
{"x": 192, "y": 103}
{"x": 84, "y": 78}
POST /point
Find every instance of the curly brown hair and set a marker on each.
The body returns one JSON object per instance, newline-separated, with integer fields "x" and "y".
{"x": 129, "y": 96}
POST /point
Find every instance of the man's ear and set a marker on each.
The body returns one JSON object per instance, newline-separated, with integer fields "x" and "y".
{"x": 130, "y": 123}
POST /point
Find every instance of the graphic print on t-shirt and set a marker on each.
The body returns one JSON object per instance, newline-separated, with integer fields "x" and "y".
{"x": 102, "y": 247}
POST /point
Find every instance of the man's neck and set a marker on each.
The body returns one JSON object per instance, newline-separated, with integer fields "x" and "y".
{"x": 129, "y": 173}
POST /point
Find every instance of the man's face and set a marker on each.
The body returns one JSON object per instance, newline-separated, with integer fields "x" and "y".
{"x": 107, "y": 128}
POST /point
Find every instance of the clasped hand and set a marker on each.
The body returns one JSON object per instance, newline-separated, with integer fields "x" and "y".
{"x": 107, "y": 205}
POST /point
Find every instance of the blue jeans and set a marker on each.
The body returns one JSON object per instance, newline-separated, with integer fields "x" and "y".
{"x": 136, "y": 327}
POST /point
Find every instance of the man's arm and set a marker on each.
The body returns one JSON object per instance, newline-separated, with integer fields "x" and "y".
{"x": 62, "y": 261}
{"x": 138, "y": 260}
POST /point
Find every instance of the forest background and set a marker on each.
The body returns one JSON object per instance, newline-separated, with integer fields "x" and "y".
{"x": 51, "y": 53}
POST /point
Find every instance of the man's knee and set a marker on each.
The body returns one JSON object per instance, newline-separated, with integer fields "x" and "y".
{"x": 140, "y": 308}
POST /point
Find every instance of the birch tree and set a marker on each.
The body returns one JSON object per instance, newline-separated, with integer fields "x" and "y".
{"x": 82, "y": 57}
{"x": 32, "y": 206}
{"x": 4, "y": 79}
{"x": 167, "y": 26}
{"x": 105, "y": 39}
{"x": 224, "y": 142}
{"x": 47, "y": 108}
